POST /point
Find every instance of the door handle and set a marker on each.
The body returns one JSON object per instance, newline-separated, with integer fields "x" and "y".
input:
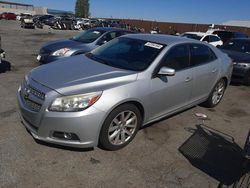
{"x": 214, "y": 70}
{"x": 188, "y": 79}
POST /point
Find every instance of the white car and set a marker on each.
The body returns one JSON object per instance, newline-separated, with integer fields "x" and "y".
{"x": 205, "y": 37}
{"x": 82, "y": 22}
{"x": 19, "y": 17}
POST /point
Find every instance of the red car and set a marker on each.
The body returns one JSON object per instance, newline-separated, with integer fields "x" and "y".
{"x": 8, "y": 16}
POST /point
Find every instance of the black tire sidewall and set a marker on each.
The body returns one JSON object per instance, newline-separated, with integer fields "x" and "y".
{"x": 104, "y": 142}
{"x": 247, "y": 78}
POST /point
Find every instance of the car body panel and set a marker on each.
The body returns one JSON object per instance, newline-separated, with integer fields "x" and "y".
{"x": 159, "y": 96}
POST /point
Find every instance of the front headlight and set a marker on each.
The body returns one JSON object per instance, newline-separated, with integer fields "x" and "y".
{"x": 74, "y": 103}
{"x": 246, "y": 65}
{"x": 61, "y": 52}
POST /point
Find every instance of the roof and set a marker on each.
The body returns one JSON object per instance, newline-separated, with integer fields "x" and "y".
{"x": 199, "y": 33}
{"x": 13, "y": 3}
{"x": 161, "y": 39}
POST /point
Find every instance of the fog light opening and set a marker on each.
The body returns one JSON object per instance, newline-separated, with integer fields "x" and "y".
{"x": 65, "y": 136}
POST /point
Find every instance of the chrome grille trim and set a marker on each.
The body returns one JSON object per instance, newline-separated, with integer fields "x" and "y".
{"x": 37, "y": 93}
{"x": 32, "y": 97}
{"x": 32, "y": 105}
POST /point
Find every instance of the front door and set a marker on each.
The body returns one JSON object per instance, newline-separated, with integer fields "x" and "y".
{"x": 170, "y": 93}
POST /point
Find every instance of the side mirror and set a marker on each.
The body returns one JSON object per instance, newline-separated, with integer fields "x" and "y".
{"x": 165, "y": 71}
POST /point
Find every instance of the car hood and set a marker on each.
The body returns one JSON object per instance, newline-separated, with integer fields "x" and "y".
{"x": 238, "y": 56}
{"x": 59, "y": 44}
{"x": 79, "y": 74}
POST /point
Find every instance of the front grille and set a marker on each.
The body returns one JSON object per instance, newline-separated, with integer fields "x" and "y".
{"x": 32, "y": 105}
{"x": 37, "y": 93}
{"x": 32, "y": 97}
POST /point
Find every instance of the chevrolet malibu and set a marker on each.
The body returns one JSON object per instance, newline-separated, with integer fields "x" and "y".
{"x": 103, "y": 97}
{"x": 80, "y": 44}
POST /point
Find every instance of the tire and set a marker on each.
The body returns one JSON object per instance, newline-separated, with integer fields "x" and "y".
{"x": 216, "y": 95}
{"x": 116, "y": 132}
{"x": 247, "y": 78}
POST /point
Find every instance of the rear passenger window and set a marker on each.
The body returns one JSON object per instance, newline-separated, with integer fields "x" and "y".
{"x": 177, "y": 58}
{"x": 214, "y": 38}
{"x": 201, "y": 54}
{"x": 206, "y": 39}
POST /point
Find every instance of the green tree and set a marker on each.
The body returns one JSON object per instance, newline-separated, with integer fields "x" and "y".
{"x": 82, "y": 8}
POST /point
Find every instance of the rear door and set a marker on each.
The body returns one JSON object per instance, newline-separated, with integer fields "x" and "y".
{"x": 205, "y": 66}
{"x": 170, "y": 93}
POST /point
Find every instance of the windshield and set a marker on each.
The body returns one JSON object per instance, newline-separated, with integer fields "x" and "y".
{"x": 88, "y": 36}
{"x": 192, "y": 36}
{"x": 238, "y": 46}
{"x": 127, "y": 53}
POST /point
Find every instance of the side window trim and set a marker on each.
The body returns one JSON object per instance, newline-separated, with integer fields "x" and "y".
{"x": 158, "y": 67}
{"x": 211, "y": 51}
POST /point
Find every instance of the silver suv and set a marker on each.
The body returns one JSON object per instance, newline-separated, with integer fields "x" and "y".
{"x": 104, "y": 97}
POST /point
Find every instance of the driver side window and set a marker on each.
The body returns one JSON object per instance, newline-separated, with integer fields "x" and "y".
{"x": 177, "y": 58}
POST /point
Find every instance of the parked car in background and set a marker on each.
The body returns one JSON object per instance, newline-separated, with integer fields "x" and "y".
{"x": 209, "y": 38}
{"x": 239, "y": 51}
{"x": 19, "y": 17}
{"x": 225, "y": 36}
{"x": 105, "y": 96}
{"x": 41, "y": 19}
{"x": 61, "y": 22}
{"x": 8, "y": 16}
{"x": 27, "y": 22}
{"x": 83, "y": 23}
{"x": 84, "y": 42}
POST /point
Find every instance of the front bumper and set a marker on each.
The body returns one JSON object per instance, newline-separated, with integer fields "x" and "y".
{"x": 86, "y": 125}
{"x": 45, "y": 59}
{"x": 239, "y": 73}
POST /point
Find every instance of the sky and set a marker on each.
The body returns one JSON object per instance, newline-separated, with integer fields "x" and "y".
{"x": 184, "y": 11}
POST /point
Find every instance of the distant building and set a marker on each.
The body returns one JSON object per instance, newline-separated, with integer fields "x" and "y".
{"x": 19, "y": 8}
{"x": 238, "y": 23}
{"x": 16, "y": 8}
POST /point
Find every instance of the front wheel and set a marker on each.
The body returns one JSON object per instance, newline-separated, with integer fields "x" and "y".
{"x": 216, "y": 95}
{"x": 120, "y": 127}
{"x": 247, "y": 78}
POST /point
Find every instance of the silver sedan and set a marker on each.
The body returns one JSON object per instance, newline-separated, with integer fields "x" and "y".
{"x": 102, "y": 98}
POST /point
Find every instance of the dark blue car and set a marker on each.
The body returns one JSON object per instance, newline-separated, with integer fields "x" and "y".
{"x": 80, "y": 44}
{"x": 239, "y": 51}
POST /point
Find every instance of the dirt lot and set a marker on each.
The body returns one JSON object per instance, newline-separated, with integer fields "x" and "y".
{"x": 151, "y": 160}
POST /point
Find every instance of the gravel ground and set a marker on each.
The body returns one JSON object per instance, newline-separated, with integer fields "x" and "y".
{"x": 151, "y": 160}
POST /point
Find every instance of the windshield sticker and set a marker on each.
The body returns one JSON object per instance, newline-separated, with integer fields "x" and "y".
{"x": 96, "y": 32}
{"x": 154, "y": 45}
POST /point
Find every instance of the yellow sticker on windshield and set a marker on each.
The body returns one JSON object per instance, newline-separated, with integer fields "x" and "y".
{"x": 153, "y": 45}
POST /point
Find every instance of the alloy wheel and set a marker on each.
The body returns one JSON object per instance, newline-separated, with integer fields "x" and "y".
{"x": 218, "y": 93}
{"x": 122, "y": 127}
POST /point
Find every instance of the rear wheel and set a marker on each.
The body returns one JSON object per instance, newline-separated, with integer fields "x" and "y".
{"x": 120, "y": 127}
{"x": 216, "y": 95}
{"x": 247, "y": 78}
